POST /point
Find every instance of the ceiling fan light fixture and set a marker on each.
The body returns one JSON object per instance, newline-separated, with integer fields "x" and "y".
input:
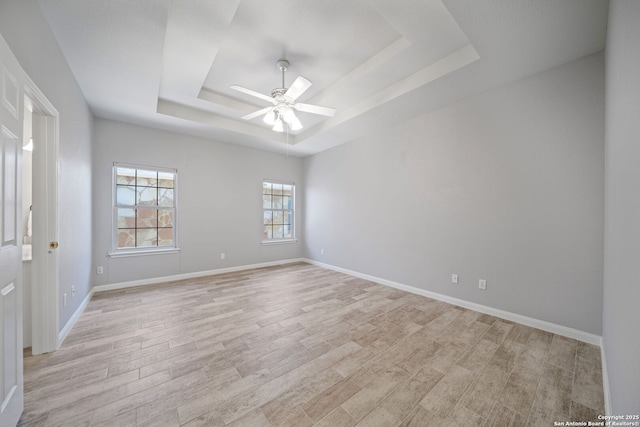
{"x": 295, "y": 124}
{"x": 277, "y": 127}
{"x": 270, "y": 118}
{"x": 288, "y": 115}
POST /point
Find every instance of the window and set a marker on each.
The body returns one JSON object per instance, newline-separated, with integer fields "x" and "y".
{"x": 278, "y": 201}
{"x": 144, "y": 208}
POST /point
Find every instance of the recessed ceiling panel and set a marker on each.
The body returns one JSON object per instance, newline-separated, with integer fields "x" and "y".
{"x": 323, "y": 41}
{"x": 429, "y": 34}
{"x": 390, "y": 41}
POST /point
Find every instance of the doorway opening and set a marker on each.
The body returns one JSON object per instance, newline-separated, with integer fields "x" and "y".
{"x": 40, "y": 219}
{"x": 27, "y": 221}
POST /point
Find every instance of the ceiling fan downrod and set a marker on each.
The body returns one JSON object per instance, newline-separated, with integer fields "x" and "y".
{"x": 282, "y": 65}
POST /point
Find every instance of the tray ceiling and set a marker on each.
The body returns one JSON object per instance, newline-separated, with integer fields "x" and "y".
{"x": 169, "y": 64}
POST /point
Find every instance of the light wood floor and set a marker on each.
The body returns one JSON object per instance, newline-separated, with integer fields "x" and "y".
{"x": 300, "y": 345}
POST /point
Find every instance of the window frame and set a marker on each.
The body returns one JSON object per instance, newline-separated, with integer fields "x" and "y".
{"x": 141, "y": 250}
{"x": 292, "y": 213}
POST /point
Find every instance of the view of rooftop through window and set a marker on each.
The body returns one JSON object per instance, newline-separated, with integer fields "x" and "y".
{"x": 144, "y": 208}
{"x": 278, "y": 208}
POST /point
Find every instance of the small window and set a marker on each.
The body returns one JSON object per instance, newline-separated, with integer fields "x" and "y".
{"x": 144, "y": 208}
{"x": 278, "y": 202}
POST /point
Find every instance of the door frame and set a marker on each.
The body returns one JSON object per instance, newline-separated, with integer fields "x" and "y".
{"x": 44, "y": 286}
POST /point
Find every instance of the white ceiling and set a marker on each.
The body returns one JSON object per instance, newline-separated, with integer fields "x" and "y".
{"x": 169, "y": 63}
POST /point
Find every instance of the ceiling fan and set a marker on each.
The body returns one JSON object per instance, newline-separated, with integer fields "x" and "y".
{"x": 284, "y": 102}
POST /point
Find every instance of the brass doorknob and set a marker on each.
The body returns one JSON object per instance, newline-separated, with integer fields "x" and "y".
{"x": 53, "y": 245}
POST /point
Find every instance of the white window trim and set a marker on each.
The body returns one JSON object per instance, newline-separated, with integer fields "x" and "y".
{"x": 142, "y": 252}
{"x": 266, "y": 242}
{"x": 278, "y": 242}
{"x": 146, "y": 250}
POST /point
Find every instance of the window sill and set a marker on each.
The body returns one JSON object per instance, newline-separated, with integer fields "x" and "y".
{"x": 278, "y": 242}
{"x": 122, "y": 254}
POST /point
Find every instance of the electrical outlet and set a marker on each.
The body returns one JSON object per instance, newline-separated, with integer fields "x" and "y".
{"x": 482, "y": 284}
{"x": 222, "y": 255}
{"x": 454, "y": 278}
{"x": 100, "y": 270}
{"x": 321, "y": 251}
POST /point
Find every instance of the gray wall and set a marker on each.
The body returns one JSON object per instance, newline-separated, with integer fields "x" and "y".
{"x": 621, "y": 334}
{"x": 506, "y": 186}
{"x": 219, "y": 201}
{"x": 28, "y": 35}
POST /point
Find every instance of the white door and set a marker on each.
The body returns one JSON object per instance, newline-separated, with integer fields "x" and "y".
{"x": 11, "y": 387}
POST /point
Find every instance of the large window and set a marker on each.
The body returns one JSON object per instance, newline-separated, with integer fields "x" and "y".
{"x": 278, "y": 201}
{"x": 144, "y": 208}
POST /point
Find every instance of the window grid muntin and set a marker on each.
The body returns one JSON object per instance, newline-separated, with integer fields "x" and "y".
{"x": 278, "y": 206}
{"x": 145, "y": 178}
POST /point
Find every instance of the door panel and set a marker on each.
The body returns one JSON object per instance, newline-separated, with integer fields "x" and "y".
{"x": 9, "y": 177}
{"x": 10, "y": 246}
{"x": 10, "y": 380}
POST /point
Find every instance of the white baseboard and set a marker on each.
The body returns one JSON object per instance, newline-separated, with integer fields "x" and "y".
{"x": 74, "y": 318}
{"x": 184, "y": 276}
{"x": 514, "y": 317}
{"x": 605, "y": 381}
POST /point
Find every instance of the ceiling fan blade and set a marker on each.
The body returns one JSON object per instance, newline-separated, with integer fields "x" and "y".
{"x": 315, "y": 109}
{"x": 299, "y": 86}
{"x": 257, "y": 113}
{"x": 253, "y": 93}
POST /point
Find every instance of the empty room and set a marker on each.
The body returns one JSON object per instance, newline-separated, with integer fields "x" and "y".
{"x": 320, "y": 213}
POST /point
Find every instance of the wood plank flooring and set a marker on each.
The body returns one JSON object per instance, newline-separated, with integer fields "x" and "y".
{"x": 299, "y": 345}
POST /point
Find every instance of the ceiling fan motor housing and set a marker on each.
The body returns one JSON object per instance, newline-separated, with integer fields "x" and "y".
{"x": 282, "y": 64}
{"x": 278, "y": 92}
